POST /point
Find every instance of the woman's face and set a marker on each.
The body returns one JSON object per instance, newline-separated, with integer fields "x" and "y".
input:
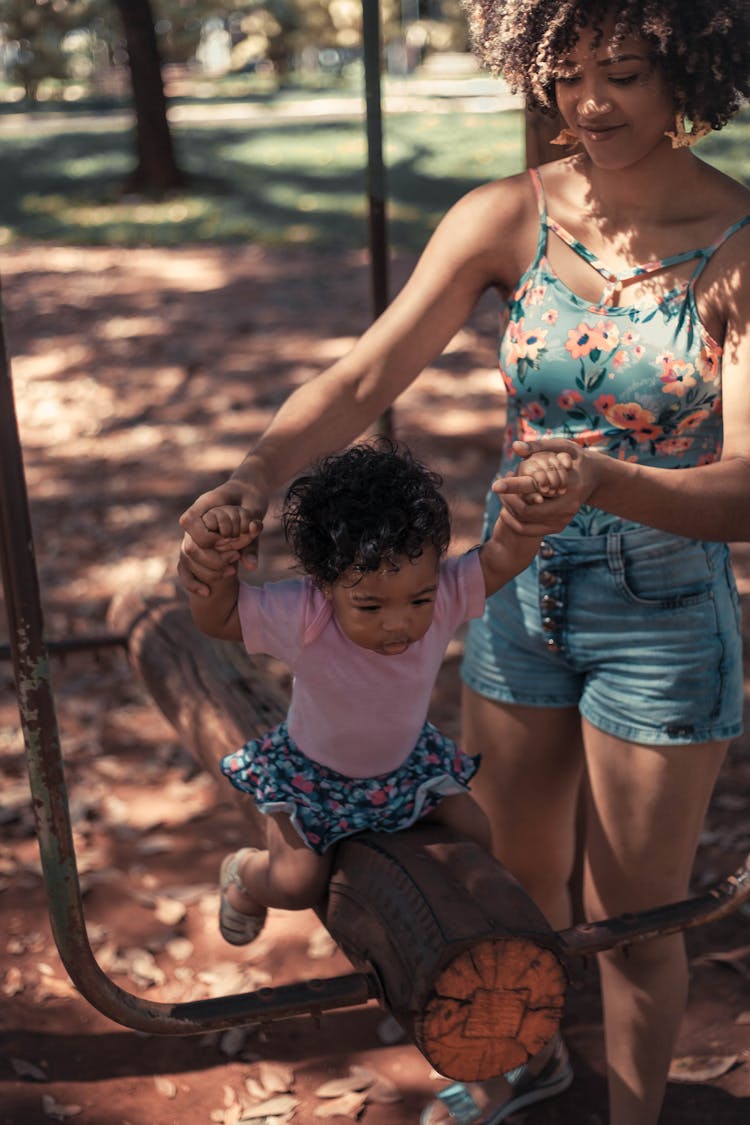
{"x": 614, "y": 98}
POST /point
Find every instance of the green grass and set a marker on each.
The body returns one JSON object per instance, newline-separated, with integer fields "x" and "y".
{"x": 277, "y": 183}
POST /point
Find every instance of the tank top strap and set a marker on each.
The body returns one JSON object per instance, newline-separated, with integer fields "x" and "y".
{"x": 706, "y": 254}
{"x": 546, "y": 224}
{"x": 541, "y": 203}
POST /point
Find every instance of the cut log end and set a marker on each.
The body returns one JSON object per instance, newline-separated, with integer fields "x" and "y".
{"x": 492, "y": 1008}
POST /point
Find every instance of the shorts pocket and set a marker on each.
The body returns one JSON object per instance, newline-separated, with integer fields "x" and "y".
{"x": 673, "y": 574}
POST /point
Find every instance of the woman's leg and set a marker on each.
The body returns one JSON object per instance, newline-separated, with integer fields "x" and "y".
{"x": 462, "y": 813}
{"x": 528, "y": 785}
{"x": 287, "y": 875}
{"x": 645, "y": 808}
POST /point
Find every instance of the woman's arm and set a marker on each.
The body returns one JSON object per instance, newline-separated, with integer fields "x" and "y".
{"x": 477, "y": 245}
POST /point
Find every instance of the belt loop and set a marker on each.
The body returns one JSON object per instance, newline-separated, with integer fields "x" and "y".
{"x": 615, "y": 559}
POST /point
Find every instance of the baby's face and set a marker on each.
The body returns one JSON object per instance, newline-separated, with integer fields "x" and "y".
{"x": 387, "y": 610}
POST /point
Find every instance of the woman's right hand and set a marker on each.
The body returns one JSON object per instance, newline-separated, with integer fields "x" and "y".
{"x": 206, "y": 554}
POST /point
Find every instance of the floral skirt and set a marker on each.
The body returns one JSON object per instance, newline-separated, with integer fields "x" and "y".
{"x": 325, "y": 806}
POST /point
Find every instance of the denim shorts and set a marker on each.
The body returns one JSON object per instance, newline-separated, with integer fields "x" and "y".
{"x": 638, "y": 629}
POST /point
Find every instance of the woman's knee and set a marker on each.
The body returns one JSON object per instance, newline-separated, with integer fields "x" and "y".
{"x": 656, "y": 959}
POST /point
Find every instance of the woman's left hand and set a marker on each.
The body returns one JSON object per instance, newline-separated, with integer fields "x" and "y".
{"x": 554, "y": 513}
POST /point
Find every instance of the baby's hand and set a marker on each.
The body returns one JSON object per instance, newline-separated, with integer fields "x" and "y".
{"x": 549, "y": 474}
{"x": 236, "y": 527}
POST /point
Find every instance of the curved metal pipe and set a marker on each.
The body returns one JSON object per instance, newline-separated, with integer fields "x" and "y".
{"x": 50, "y": 802}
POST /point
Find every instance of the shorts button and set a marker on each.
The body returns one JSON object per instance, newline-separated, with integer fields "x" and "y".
{"x": 548, "y": 602}
{"x": 546, "y": 550}
{"x": 552, "y": 645}
{"x": 547, "y": 578}
{"x": 549, "y": 625}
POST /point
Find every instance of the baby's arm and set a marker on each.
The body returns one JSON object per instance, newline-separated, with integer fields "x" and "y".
{"x": 216, "y": 613}
{"x": 505, "y": 554}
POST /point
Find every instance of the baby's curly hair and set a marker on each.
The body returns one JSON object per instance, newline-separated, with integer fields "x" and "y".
{"x": 362, "y": 508}
{"x": 701, "y": 46}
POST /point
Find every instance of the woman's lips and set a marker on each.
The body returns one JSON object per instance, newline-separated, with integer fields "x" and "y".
{"x": 598, "y": 132}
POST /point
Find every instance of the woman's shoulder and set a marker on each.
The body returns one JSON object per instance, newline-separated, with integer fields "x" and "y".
{"x": 722, "y": 196}
{"x": 494, "y": 225}
{"x": 509, "y": 206}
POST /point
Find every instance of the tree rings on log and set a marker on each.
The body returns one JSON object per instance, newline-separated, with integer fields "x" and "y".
{"x": 492, "y": 1007}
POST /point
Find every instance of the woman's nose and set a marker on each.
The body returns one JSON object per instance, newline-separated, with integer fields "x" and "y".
{"x": 593, "y": 103}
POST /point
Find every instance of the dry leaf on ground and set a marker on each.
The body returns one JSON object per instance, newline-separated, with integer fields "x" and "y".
{"x": 384, "y": 1092}
{"x": 276, "y": 1106}
{"x": 56, "y": 1110}
{"x": 358, "y": 1078}
{"x": 275, "y": 1078}
{"x": 232, "y": 1041}
{"x": 732, "y": 958}
{"x": 321, "y": 944}
{"x": 13, "y": 983}
{"x": 700, "y": 1068}
{"x": 348, "y": 1105}
{"x": 232, "y": 1114}
{"x": 165, "y": 1086}
{"x": 25, "y": 1069}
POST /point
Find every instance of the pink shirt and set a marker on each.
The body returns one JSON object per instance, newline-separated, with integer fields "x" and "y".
{"x": 356, "y": 711}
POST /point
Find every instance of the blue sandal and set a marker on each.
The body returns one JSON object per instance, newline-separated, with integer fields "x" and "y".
{"x": 554, "y": 1077}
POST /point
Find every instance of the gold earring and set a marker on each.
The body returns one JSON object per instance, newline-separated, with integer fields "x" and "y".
{"x": 681, "y": 138}
{"x": 566, "y": 136}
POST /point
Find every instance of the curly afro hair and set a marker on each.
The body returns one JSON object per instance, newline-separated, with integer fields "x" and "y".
{"x": 367, "y": 506}
{"x": 701, "y": 46}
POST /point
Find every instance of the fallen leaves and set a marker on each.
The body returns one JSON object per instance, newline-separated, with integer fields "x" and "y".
{"x": 58, "y": 1111}
{"x": 25, "y": 1069}
{"x": 165, "y": 1086}
{"x": 348, "y": 1105}
{"x": 269, "y": 1096}
{"x": 700, "y": 1068}
{"x": 267, "y": 1099}
{"x": 730, "y": 958}
{"x": 351, "y": 1092}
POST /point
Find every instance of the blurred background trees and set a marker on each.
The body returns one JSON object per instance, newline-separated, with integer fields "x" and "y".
{"x": 54, "y": 42}
{"x": 71, "y": 49}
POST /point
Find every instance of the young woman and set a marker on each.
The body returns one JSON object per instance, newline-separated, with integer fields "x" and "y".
{"x": 613, "y": 663}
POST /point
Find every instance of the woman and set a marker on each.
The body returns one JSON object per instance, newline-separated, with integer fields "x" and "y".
{"x": 614, "y": 662}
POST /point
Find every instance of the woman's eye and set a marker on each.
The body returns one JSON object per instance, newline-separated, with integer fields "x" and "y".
{"x": 368, "y": 608}
{"x": 623, "y": 79}
{"x": 422, "y": 601}
{"x": 567, "y": 79}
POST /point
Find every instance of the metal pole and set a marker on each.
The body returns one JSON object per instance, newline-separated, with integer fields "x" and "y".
{"x": 376, "y": 189}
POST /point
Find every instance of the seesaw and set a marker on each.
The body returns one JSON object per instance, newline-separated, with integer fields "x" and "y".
{"x": 437, "y": 931}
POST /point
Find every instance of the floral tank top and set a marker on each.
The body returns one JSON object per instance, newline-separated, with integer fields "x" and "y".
{"x": 639, "y": 383}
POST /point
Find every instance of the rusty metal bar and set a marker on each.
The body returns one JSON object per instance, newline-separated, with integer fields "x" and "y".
{"x": 50, "y": 802}
{"x": 716, "y": 902}
{"x": 75, "y": 644}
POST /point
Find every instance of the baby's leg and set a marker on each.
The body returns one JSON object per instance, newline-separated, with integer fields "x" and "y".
{"x": 463, "y": 814}
{"x": 288, "y": 875}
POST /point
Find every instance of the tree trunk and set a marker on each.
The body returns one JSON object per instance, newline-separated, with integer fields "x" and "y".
{"x": 156, "y": 170}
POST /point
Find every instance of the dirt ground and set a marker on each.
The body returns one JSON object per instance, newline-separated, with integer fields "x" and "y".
{"x": 141, "y": 377}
